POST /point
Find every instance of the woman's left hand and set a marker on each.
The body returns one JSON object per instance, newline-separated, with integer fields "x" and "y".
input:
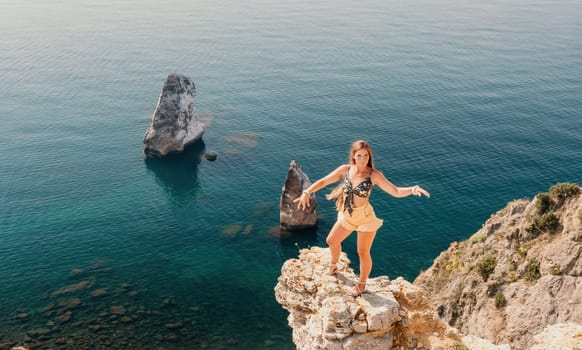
{"x": 418, "y": 191}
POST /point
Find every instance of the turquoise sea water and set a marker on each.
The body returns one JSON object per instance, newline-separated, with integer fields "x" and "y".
{"x": 479, "y": 102}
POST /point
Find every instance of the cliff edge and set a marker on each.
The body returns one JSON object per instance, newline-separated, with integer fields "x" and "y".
{"x": 391, "y": 315}
{"x": 515, "y": 284}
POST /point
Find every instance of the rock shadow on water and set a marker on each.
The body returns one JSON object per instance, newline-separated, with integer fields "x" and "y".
{"x": 290, "y": 241}
{"x": 178, "y": 173}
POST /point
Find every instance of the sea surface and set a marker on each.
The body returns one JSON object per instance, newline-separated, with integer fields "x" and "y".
{"x": 480, "y": 102}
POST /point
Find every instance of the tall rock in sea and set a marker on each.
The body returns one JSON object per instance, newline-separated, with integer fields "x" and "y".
{"x": 175, "y": 123}
{"x": 292, "y": 218}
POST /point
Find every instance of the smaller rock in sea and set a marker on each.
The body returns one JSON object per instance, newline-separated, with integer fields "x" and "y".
{"x": 291, "y": 217}
{"x": 211, "y": 156}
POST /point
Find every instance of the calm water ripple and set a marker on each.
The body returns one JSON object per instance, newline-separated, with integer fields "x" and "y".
{"x": 478, "y": 102}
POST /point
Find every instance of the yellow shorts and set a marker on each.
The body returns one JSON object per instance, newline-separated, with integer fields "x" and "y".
{"x": 363, "y": 219}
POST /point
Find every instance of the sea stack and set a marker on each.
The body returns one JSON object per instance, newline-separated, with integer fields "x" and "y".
{"x": 292, "y": 218}
{"x": 175, "y": 123}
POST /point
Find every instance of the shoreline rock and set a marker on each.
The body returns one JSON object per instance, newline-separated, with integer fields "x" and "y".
{"x": 515, "y": 284}
{"x": 391, "y": 315}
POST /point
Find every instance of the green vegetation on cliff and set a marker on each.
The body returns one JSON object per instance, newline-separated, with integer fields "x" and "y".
{"x": 524, "y": 260}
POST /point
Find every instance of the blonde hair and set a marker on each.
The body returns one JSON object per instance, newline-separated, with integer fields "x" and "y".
{"x": 337, "y": 192}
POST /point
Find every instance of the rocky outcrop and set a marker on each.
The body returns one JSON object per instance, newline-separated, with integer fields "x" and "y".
{"x": 520, "y": 273}
{"x": 476, "y": 343}
{"x": 559, "y": 336}
{"x": 292, "y": 218}
{"x": 174, "y": 124}
{"x": 391, "y": 315}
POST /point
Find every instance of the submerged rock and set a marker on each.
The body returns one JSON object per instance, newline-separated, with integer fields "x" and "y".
{"x": 175, "y": 123}
{"x": 97, "y": 293}
{"x": 23, "y": 316}
{"x": 72, "y": 288}
{"x": 117, "y": 310}
{"x": 232, "y": 229}
{"x": 292, "y": 218}
{"x": 70, "y": 303}
{"x": 64, "y": 318}
{"x": 243, "y": 139}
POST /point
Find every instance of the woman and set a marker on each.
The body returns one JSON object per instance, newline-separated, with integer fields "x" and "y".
{"x": 354, "y": 210}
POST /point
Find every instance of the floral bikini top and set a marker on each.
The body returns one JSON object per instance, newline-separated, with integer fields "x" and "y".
{"x": 363, "y": 190}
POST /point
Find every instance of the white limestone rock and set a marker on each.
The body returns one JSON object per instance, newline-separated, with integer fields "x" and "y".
{"x": 564, "y": 336}
{"x": 476, "y": 343}
{"x": 391, "y": 315}
{"x": 175, "y": 123}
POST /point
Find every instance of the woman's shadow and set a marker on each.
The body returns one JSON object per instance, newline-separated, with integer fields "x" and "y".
{"x": 177, "y": 173}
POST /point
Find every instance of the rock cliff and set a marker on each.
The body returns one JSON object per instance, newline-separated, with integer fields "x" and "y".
{"x": 517, "y": 280}
{"x": 392, "y": 315}
{"x": 515, "y": 284}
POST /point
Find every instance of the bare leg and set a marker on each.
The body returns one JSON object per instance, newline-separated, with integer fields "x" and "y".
{"x": 365, "y": 240}
{"x": 334, "y": 239}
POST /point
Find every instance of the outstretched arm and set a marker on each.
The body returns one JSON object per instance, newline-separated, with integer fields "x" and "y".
{"x": 399, "y": 192}
{"x": 334, "y": 176}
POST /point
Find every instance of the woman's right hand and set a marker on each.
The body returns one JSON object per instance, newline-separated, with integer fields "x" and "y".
{"x": 303, "y": 200}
